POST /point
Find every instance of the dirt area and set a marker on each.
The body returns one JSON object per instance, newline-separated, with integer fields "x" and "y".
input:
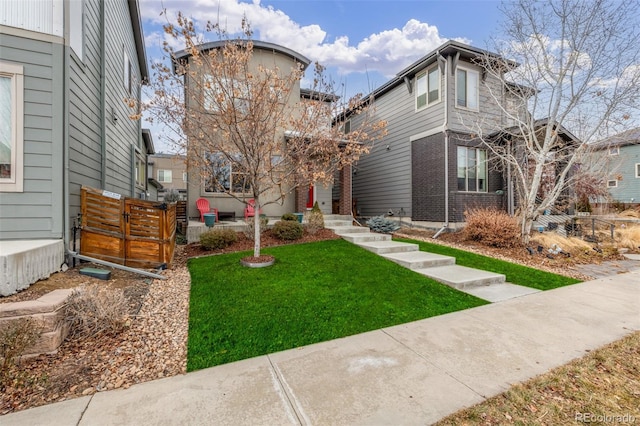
{"x": 154, "y": 344}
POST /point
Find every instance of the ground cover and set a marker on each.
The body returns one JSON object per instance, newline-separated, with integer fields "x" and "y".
{"x": 315, "y": 292}
{"x": 516, "y": 274}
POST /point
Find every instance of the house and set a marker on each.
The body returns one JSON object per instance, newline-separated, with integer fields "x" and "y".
{"x": 170, "y": 170}
{"x": 65, "y": 68}
{"x": 431, "y": 166}
{"x": 621, "y": 155}
{"x": 217, "y": 180}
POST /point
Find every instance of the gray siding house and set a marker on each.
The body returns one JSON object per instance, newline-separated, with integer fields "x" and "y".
{"x": 430, "y": 167}
{"x": 65, "y": 68}
{"x": 621, "y": 154}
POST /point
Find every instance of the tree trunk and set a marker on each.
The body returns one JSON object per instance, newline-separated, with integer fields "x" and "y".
{"x": 256, "y": 228}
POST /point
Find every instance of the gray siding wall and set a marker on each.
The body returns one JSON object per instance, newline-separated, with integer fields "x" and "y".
{"x": 85, "y": 109}
{"x": 629, "y": 186}
{"x": 382, "y": 179}
{"x": 36, "y": 213}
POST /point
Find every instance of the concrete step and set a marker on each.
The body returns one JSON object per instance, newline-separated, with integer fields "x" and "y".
{"x": 383, "y": 247}
{"x": 328, "y": 223}
{"x": 420, "y": 259}
{"x": 341, "y": 230}
{"x": 461, "y": 277}
{"x": 363, "y": 237}
{"x": 338, "y": 217}
{"x": 501, "y": 291}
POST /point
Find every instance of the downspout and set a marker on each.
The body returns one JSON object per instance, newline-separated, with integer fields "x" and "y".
{"x": 445, "y": 126}
{"x": 103, "y": 101}
{"x": 66, "y": 52}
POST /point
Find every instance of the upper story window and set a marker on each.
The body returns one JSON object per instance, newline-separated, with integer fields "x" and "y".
{"x": 141, "y": 170}
{"x": 613, "y": 183}
{"x": 127, "y": 74}
{"x": 614, "y": 150}
{"x": 11, "y": 127}
{"x": 638, "y": 170}
{"x": 216, "y": 95}
{"x": 346, "y": 127}
{"x": 428, "y": 87}
{"x": 164, "y": 176}
{"x": 472, "y": 169}
{"x": 467, "y": 88}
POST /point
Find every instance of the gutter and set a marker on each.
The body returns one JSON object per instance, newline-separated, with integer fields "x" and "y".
{"x": 445, "y": 128}
{"x": 66, "y": 208}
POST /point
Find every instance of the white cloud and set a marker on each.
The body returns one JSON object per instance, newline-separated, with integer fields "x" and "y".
{"x": 386, "y": 52}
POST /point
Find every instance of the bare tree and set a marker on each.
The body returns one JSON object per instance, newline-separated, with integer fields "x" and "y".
{"x": 231, "y": 112}
{"x": 575, "y": 71}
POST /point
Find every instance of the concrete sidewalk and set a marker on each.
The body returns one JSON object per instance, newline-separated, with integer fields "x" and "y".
{"x": 414, "y": 373}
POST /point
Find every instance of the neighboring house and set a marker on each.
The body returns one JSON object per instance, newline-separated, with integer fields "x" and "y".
{"x": 201, "y": 184}
{"x": 66, "y": 67}
{"x": 170, "y": 170}
{"x": 621, "y": 156}
{"x": 431, "y": 167}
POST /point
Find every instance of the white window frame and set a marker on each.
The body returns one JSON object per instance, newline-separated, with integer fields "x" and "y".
{"x": 184, "y": 176}
{"x": 480, "y": 165}
{"x": 468, "y": 72}
{"x": 612, "y": 183}
{"x": 165, "y": 173}
{"x": 435, "y": 70}
{"x": 140, "y": 169}
{"x": 228, "y": 186}
{"x": 127, "y": 72}
{"x": 15, "y": 182}
{"x": 638, "y": 170}
{"x": 614, "y": 150}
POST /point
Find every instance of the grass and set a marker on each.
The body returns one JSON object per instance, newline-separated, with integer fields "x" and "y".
{"x": 600, "y": 388}
{"x": 314, "y": 292}
{"x": 516, "y": 274}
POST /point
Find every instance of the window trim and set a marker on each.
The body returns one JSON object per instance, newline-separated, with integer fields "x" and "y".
{"x": 426, "y": 73}
{"x": 140, "y": 169}
{"x": 614, "y": 150}
{"x": 466, "y": 168}
{"x": 477, "y": 94}
{"x": 165, "y": 170}
{"x": 637, "y": 170}
{"x": 15, "y": 72}
{"x": 231, "y": 185}
{"x": 614, "y": 181}
{"x": 127, "y": 72}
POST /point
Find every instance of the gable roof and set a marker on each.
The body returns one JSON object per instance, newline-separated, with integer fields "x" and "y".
{"x": 630, "y": 137}
{"x": 539, "y": 124}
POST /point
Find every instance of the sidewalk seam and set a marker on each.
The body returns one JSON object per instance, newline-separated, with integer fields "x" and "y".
{"x": 288, "y": 393}
{"x": 86, "y": 407}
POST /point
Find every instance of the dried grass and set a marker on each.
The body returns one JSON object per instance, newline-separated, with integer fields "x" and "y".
{"x": 96, "y": 310}
{"x": 572, "y": 244}
{"x": 491, "y": 227}
{"x": 15, "y": 337}
{"x": 628, "y": 237}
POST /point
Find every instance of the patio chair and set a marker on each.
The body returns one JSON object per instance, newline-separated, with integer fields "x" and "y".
{"x": 204, "y": 207}
{"x": 250, "y": 209}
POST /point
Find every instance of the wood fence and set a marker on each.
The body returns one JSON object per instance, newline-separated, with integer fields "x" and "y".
{"x": 127, "y": 231}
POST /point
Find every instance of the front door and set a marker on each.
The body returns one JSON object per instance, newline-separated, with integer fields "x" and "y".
{"x": 310, "y": 197}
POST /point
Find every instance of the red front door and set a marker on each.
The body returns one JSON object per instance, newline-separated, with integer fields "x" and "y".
{"x": 310, "y": 199}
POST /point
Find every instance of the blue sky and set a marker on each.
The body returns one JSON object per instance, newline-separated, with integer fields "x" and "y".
{"x": 363, "y": 43}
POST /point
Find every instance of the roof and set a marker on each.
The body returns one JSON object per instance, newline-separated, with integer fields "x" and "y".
{"x": 539, "y": 124}
{"x": 261, "y": 45}
{"x": 630, "y": 137}
{"x": 148, "y": 141}
{"x": 136, "y": 24}
{"x": 315, "y": 95}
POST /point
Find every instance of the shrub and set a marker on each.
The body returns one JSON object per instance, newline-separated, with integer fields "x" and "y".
{"x": 287, "y": 230}
{"x": 382, "y": 225}
{"x": 491, "y": 227}
{"x": 289, "y": 216}
{"x": 171, "y": 196}
{"x": 15, "y": 337}
{"x": 218, "y": 238}
{"x": 315, "y": 222}
{"x": 249, "y": 230}
{"x": 95, "y": 310}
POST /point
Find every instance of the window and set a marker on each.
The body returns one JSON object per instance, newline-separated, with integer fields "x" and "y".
{"x": 347, "y": 127}
{"x": 215, "y": 94}
{"x": 141, "y": 170}
{"x": 184, "y": 176}
{"x": 164, "y": 176}
{"x": 467, "y": 88}
{"x": 472, "y": 169}
{"x": 612, "y": 183}
{"x": 428, "y": 87}
{"x": 11, "y": 127}
{"x": 128, "y": 74}
{"x": 224, "y": 176}
{"x": 614, "y": 150}
{"x": 638, "y": 170}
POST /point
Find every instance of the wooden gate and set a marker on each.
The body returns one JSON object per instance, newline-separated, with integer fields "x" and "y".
{"x": 127, "y": 231}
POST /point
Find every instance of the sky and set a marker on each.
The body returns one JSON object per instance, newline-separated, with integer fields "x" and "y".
{"x": 362, "y": 43}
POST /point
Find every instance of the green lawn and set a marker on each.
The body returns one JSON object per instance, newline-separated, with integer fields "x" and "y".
{"x": 516, "y": 274}
{"x": 315, "y": 292}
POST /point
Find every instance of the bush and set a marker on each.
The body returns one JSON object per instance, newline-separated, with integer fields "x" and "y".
{"x": 95, "y": 310}
{"x": 491, "y": 227}
{"x": 382, "y": 225}
{"x": 218, "y": 238}
{"x": 15, "y": 337}
{"x": 249, "y": 230}
{"x": 290, "y": 217}
{"x": 315, "y": 222}
{"x": 287, "y": 230}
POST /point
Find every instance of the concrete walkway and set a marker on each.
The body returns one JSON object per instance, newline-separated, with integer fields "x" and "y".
{"x": 414, "y": 373}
